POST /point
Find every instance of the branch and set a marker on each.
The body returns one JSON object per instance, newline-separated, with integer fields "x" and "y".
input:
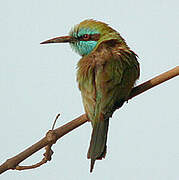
{"x": 53, "y": 135}
{"x": 154, "y": 82}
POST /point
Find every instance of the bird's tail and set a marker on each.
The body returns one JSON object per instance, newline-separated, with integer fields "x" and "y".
{"x": 97, "y": 149}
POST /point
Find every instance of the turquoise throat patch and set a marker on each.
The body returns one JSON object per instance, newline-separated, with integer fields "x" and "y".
{"x": 83, "y": 47}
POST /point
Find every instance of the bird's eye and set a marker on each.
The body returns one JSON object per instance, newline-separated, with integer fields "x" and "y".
{"x": 86, "y": 37}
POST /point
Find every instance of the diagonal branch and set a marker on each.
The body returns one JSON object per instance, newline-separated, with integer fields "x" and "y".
{"x": 154, "y": 82}
{"x": 53, "y": 135}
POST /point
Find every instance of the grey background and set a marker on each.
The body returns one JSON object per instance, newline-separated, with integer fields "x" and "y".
{"x": 38, "y": 81}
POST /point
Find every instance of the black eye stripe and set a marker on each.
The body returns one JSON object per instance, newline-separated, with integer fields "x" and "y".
{"x": 89, "y": 37}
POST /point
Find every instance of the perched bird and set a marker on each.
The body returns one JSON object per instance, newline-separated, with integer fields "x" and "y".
{"x": 106, "y": 74}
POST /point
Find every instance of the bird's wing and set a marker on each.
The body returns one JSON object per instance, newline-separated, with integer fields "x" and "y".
{"x": 105, "y": 81}
{"x": 114, "y": 80}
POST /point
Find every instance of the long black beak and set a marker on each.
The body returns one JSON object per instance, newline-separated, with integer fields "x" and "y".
{"x": 62, "y": 39}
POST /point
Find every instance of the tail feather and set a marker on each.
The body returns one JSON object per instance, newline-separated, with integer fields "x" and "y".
{"x": 92, "y": 165}
{"x": 97, "y": 149}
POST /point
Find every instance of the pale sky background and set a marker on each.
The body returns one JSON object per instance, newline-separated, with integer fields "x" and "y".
{"x": 39, "y": 81}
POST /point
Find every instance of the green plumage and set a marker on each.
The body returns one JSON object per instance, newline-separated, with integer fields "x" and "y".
{"x": 106, "y": 74}
{"x": 106, "y": 77}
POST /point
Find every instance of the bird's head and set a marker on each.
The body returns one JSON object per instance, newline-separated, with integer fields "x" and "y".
{"x": 86, "y": 36}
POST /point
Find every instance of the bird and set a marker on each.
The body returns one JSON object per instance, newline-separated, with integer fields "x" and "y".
{"x": 106, "y": 73}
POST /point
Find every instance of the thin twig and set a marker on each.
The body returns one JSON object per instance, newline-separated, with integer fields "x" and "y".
{"x": 53, "y": 126}
{"x": 44, "y": 160}
{"x": 61, "y": 131}
{"x": 51, "y": 136}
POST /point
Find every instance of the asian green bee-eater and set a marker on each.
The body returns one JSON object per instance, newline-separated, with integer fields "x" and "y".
{"x": 106, "y": 74}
